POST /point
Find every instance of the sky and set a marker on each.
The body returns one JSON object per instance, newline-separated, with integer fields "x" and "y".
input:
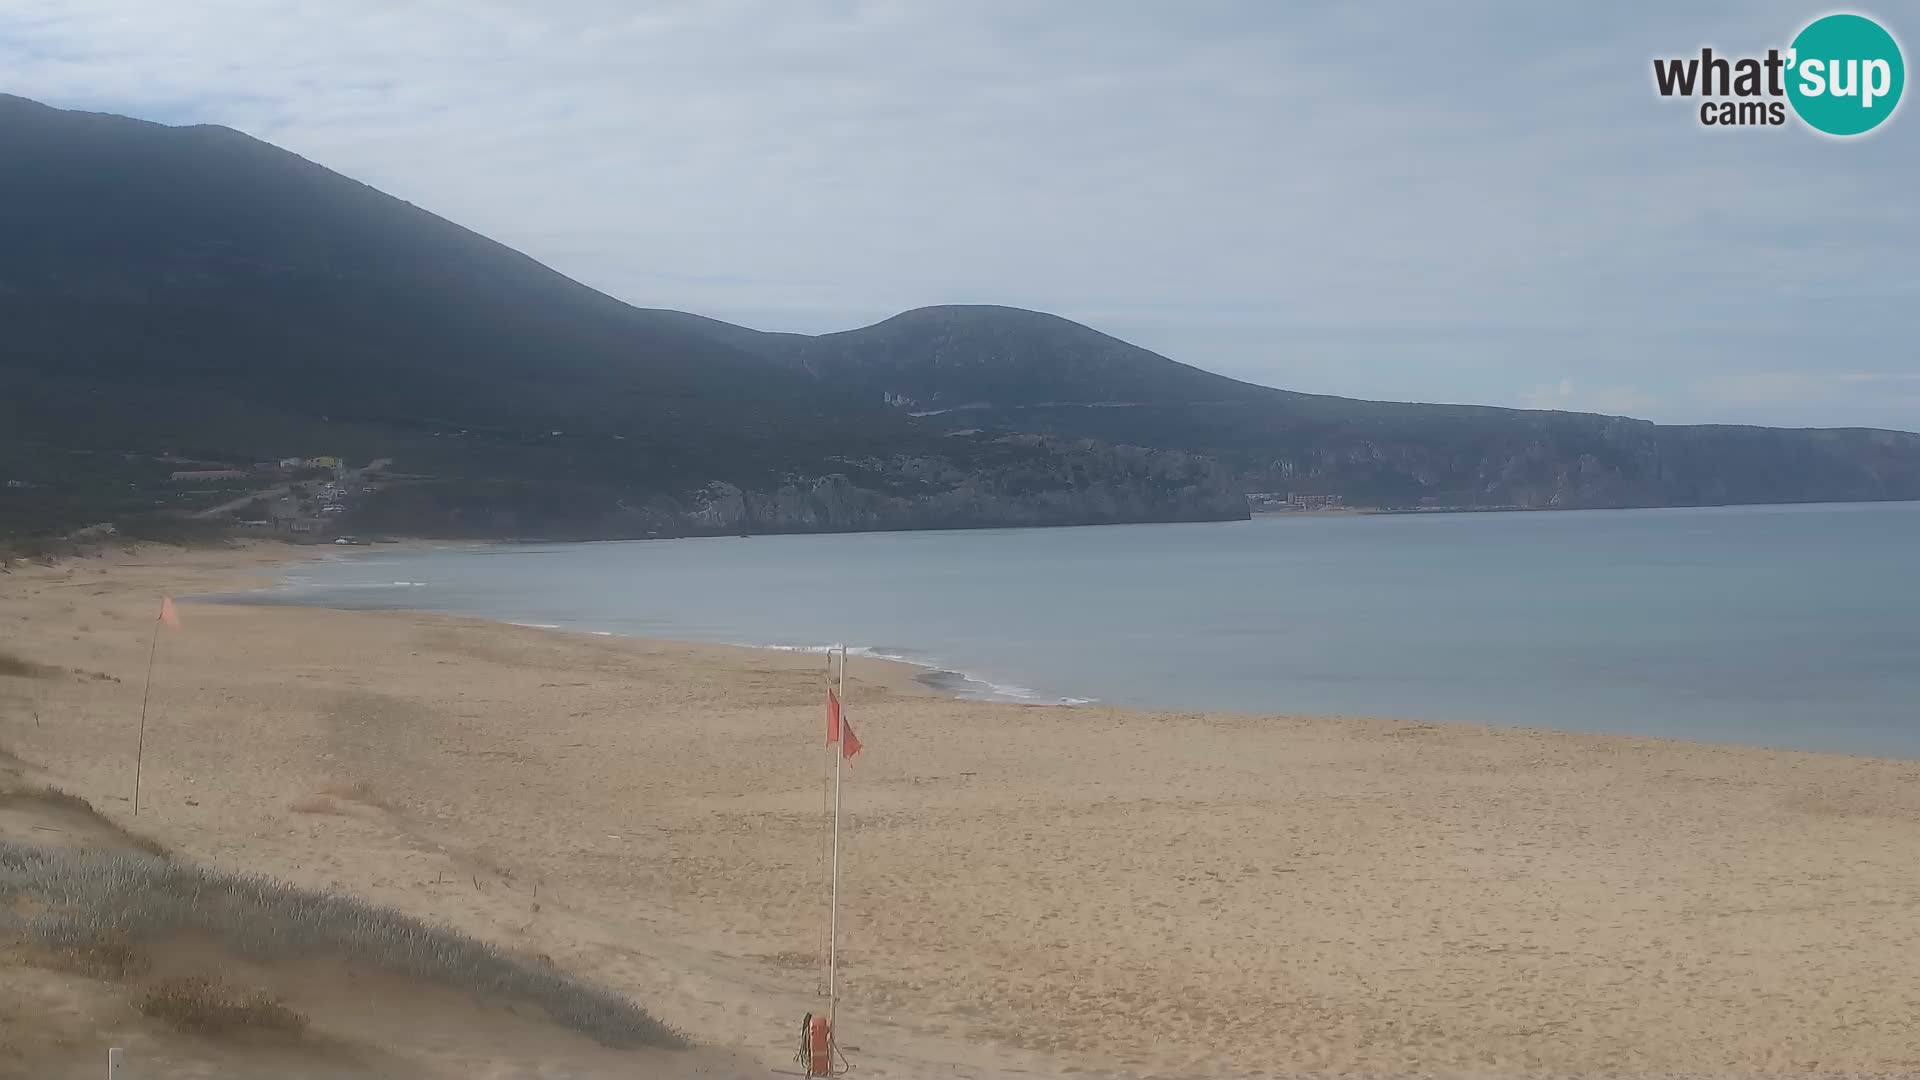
{"x": 1470, "y": 202}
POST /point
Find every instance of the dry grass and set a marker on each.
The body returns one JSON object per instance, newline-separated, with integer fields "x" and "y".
{"x": 21, "y": 668}
{"x": 328, "y": 799}
{"x": 790, "y": 959}
{"x": 111, "y": 956}
{"x": 67, "y": 800}
{"x": 75, "y": 899}
{"x": 359, "y": 791}
{"x": 210, "y": 1006}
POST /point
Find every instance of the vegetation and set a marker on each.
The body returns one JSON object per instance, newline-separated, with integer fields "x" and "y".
{"x": 170, "y": 529}
{"x": 54, "y": 796}
{"x": 20, "y": 668}
{"x": 109, "y": 956}
{"x": 66, "y": 800}
{"x": 184, "y": 297}
{"x": 1005, "y": 369}
{"x": 76, "y": 900}
{"x": 210, "y": 1006}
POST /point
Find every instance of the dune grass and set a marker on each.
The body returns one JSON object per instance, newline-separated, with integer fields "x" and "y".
{"x": 211, "y": 1006}
{"x": 54, "y": 796}
{"x": 82, "y": 897}
{"x": 21, "y": 668}
{"x": 67, "y": 800}
{"x": 109, "y": 956}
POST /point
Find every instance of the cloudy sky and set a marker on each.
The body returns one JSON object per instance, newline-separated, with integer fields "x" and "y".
{"x": 1478, "y": 202}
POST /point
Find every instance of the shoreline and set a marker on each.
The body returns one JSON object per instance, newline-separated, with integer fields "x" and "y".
{"x": 1027, "y": 890}
{"x": 221, "y": 574}
{"x": 936, "y": 678}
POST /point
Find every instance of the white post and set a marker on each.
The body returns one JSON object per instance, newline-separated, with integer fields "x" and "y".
{"x": 833, "y": 909}
{"x": 826, "y": 774}
{"x": 114, "y": 1062}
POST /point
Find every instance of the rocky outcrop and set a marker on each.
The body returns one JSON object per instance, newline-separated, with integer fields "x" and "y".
{"x": 1080, "y": 483}
{"x": 1036, "y": 481}
{"x": 1569, "y": 461}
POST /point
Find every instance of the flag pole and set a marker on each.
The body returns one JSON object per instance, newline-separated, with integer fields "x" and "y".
{"x": 140, "y": 747}
{"x": 826, "y": 780}
{"x": 833, "y": 908}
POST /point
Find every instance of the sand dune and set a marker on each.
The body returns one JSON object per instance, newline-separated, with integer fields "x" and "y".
{"x": 1030, "y": 890}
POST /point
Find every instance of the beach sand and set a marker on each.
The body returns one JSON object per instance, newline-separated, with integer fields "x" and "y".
{"x": 1027, "y": 890}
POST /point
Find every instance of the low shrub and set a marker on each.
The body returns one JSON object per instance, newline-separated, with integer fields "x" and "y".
{"x": 80, "y": 896}
{"x": 210, "y": 1006}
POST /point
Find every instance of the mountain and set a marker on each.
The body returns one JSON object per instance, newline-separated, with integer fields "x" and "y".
{"x": 192, "y": 293}
{"x": 1007, "y": 369}
{"x": 954, "y": 357}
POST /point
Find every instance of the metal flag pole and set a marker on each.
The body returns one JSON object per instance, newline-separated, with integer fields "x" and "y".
{"x": 140, "y": 747}
{"x": 826, "y": 784}
{"x": 833, "y": 909}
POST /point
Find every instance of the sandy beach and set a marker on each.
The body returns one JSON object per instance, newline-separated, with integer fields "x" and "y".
{"x": 1028, "y": 890}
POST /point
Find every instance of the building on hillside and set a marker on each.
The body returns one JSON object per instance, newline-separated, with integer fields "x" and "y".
{"x": 324, "y": 461}
{"x": 208, "y": 474}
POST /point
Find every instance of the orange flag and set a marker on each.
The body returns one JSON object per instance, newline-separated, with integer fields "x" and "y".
{"x": 833, "y": 718}
{"x": 851, "y": 744}
{"x": 167, "y": 614}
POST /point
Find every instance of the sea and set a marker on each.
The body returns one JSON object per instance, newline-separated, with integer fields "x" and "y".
{"x": 1785, "y": 626}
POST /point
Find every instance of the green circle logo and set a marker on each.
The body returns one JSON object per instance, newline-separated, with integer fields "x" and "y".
{"x": 1845, "y": 74}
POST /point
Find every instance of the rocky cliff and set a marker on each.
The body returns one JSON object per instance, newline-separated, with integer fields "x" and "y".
{"x": 1034, "y": 481}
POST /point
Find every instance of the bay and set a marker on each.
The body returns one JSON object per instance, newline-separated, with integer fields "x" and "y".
{"x": 1791, "y": 626}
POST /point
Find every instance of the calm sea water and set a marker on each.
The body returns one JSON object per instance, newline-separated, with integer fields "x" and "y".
{"x": 1781, "y": 626}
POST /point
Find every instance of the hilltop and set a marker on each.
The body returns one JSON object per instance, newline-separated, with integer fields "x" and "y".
{"x": 1004, "y": 368}
{"x": 194, "y": 300}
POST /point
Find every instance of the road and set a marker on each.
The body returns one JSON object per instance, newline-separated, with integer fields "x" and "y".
{"x": 228, "y": 507}
{"x": 286, "y": 490}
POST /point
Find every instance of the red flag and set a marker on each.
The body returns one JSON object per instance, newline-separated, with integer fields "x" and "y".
{"x": 833, "y": 718}
{"x": 851, "y": 744}
{"x": 167, "y": 615}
